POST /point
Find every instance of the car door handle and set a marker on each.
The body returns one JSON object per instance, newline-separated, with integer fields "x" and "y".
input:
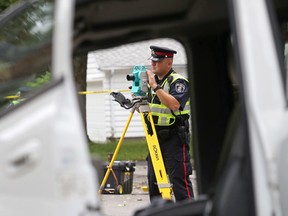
{"x": 23, "y": 159}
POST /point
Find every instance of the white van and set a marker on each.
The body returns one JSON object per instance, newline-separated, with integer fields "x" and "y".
{"x": 237, "y": 67}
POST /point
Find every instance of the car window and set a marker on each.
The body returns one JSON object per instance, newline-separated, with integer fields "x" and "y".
{"x": 284, "y": 28}
{"x": 25, "y": 53}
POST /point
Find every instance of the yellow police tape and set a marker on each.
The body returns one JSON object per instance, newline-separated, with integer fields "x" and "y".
{"x": 103, "y": 91}
{"x": 13, "y": 97}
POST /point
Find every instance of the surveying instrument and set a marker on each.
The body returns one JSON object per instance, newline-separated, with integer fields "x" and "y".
{"x": 139, "y": 89}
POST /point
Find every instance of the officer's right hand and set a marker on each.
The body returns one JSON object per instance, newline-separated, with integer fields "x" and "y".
{"x": 151, "y": 79}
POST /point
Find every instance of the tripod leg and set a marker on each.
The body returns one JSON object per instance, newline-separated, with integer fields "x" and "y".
{"x": 156, "y": 157}
{"x": 109, "y": 168}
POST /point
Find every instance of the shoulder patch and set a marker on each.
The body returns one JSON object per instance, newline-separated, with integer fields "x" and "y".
{"x": 180, "y": 87}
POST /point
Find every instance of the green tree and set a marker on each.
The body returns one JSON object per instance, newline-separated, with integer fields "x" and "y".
{"x": 41, "y": 80}
{"x": 6, "y": 3}
{"x": 80, "y": 73}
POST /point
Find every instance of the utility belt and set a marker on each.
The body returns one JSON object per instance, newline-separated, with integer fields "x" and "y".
{"x": 165, "y": 132}
{"x": 180, "y": 127}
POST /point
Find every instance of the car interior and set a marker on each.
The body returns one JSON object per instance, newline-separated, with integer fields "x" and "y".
{"x": 219, "y": 126}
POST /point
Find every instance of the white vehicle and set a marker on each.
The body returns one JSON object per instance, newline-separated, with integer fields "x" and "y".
{"x": 45, "y": 163}
{"x": 237, "y": 63}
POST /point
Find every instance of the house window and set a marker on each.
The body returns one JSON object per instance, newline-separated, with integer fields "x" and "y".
{"x": 25, "y": 53}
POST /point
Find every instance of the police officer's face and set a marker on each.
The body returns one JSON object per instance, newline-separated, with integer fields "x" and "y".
{"x": 162, "y": 67}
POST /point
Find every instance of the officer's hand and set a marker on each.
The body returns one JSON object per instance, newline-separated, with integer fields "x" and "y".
{"x": 151, "y": 79}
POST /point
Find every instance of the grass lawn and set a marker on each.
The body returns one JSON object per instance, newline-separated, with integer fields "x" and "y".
{"x": 131, "y": 149}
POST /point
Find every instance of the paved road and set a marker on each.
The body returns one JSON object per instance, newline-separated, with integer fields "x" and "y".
{"x": 127, "y": 204}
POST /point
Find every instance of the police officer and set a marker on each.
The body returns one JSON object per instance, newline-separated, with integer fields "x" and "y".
{"x": 169, "y": 102}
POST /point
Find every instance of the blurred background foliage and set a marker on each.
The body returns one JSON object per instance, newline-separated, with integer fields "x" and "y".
{"x": 6, "y": 3}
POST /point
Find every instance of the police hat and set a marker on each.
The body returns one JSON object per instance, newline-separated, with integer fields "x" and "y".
{"x": 158, "y": 53}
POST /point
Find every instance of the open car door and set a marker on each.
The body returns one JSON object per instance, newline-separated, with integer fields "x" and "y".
{"x": 45, "y": 165}
{"x": 261, "y": 64}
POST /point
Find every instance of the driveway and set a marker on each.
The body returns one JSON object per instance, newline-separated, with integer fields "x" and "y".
{"x": 127, "y": 204}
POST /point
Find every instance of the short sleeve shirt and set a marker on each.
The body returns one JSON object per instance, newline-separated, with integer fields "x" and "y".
{"x": 179, "y": 89}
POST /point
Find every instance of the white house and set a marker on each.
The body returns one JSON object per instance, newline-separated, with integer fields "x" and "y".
{"x": 107, "y": 70}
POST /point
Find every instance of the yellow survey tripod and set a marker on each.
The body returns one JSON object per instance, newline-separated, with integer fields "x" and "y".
{"x": 141, "y": 104}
